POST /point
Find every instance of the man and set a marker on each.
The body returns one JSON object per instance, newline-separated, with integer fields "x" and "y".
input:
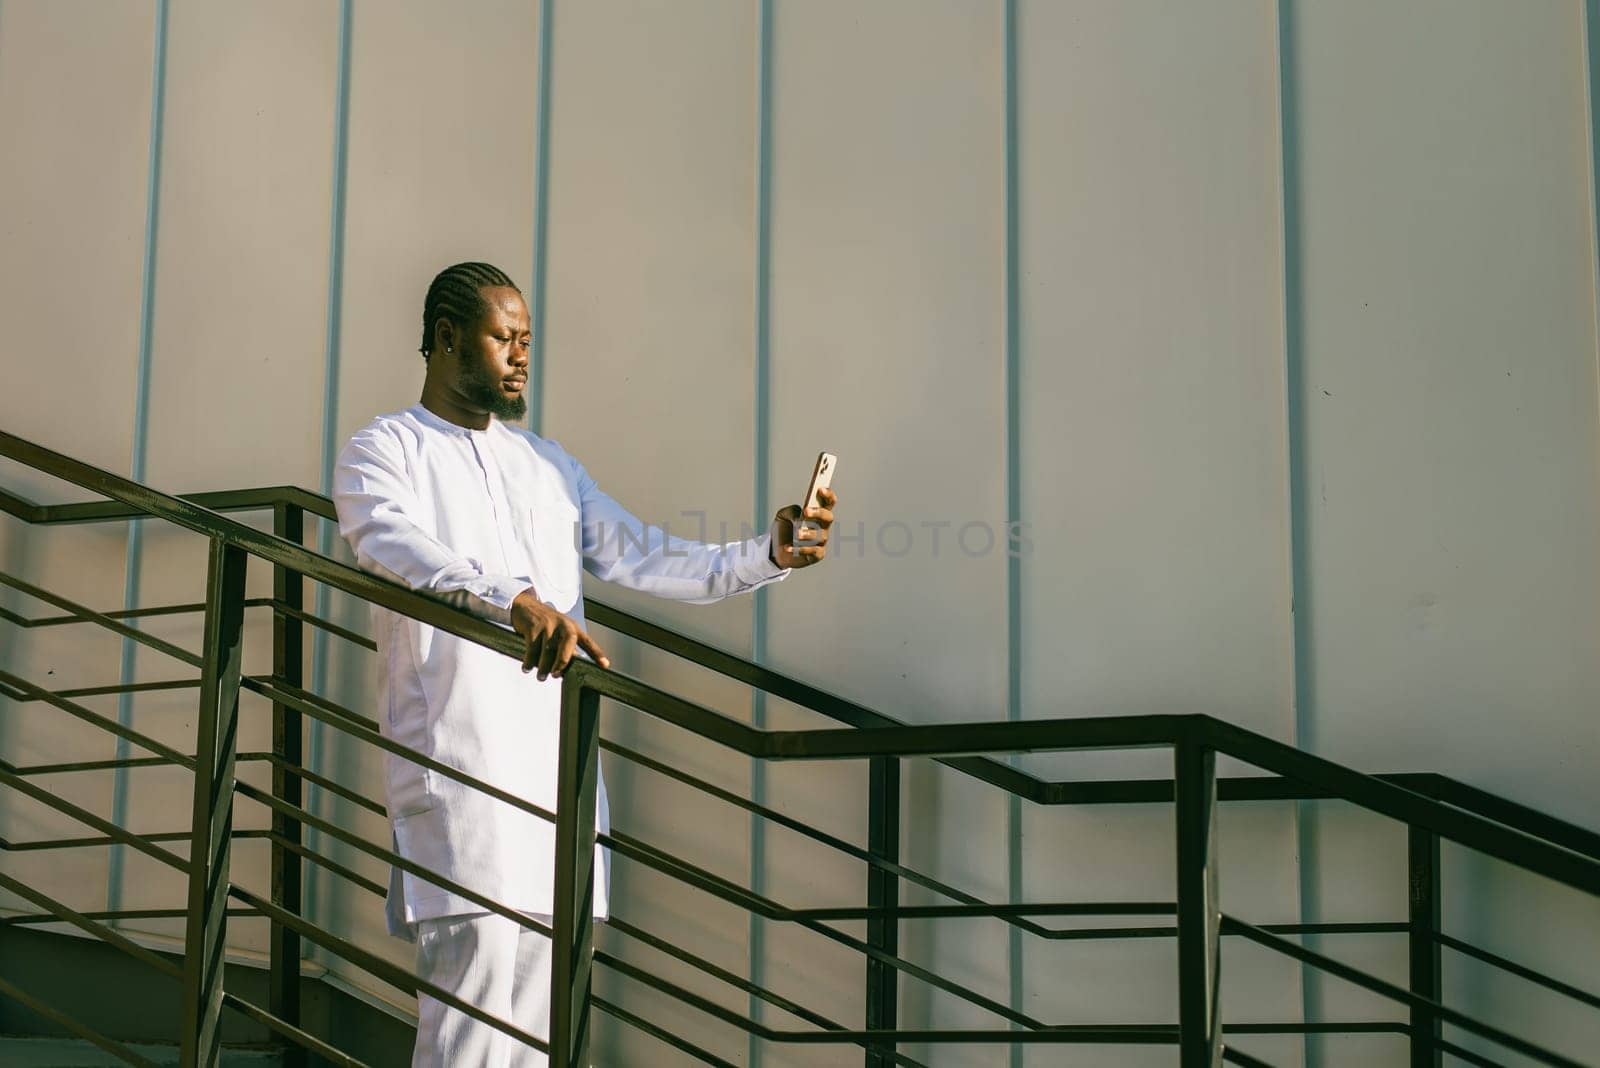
{"x": 448, "y": 500}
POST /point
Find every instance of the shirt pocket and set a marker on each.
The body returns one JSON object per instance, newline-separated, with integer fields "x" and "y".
{"x": 555, "y": 528}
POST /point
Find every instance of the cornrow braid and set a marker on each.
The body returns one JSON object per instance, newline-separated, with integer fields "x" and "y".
{"x": 454, "y": 295}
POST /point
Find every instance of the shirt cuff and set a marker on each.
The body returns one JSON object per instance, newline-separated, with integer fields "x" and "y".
{"x": 497, "y": 593}
{"x": 753, "y": 562}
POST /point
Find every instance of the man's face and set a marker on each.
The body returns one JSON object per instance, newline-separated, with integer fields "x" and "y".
{"x": 492, "y": 356}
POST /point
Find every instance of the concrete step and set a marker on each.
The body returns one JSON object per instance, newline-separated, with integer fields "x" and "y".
{"x": 19, "y": 1052}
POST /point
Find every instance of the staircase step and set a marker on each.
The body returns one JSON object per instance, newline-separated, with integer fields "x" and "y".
{"x": 18, "y": 1052}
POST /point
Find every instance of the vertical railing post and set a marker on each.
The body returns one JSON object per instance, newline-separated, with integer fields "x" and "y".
{"x": 1426, "y": 966}
{"x": 1199, "y": 915}
{"x": 288, "y": 667}
{"x": 883, "y": 891}
{"x": 211, "y": 831}
{"x": 572, "y": 923}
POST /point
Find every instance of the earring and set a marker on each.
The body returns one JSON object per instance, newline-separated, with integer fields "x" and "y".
{"x": 447, "y": 348}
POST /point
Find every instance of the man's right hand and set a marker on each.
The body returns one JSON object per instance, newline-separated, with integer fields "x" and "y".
{"x": 552, "y": 638}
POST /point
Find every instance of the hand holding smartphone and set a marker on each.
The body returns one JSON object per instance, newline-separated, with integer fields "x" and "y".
{"x": 821, "y": 479}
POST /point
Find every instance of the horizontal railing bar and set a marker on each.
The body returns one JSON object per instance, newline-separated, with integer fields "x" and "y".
{"x": 791, "y": 689}
{"x": 111, "y": 1046}
{"x": 96, "y": 765}
{"x": 234, "y": 500}
{"x": 90, "y": 615}
{"x": 1413, "y": 809}
{"x": 291, "y": 1032}
{"x": 322, "y": 624}
{"x": 72, "y": 708}
{"x": 930, "y": 912}
{"x": 779, "y": 819}
{"x": 82, "y": 815}
{"x": 115, "y": 613}
{"x": 1132, "y": 1034}
{"x": 1336, "y": 1027}
{"x": 326, "y": 783}
{"x": 625, "y": 846}
{"x": 335, "y": 867}
{"x": 132, "y": 687}
{"x": 31, "y": 919}
{"x": 1454, "y": 1050}
{"x": 1521, "y": 971}
{"x": 86, "y": 922}
{"x": 299, "y": 693}
{"x": 1502, "y": 810}
{"x": 1044, "y": 735}
{"x": 240, "y": 834}
{"x": 660, "y": 1033}
{"x": 392, "y": 974}
{"x": 328, "y": 827}
{"x": 738, "y": 982}
{"x": 1395, "y": 993}
{"x": 292, "y": 697}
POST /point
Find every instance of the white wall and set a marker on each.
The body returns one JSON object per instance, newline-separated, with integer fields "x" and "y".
{"x": 1304, "y": 422}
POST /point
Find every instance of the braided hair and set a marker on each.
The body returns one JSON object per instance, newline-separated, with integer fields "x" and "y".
{"x": 454, "y": 295}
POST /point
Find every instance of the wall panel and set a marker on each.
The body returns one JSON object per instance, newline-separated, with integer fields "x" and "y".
{"x": 1449, "y": 406}
{"x": 72, "y": 226}
{"x": 1152, "y": 439}
{"x": 887, "y": 217}
{"x": 648, "y": 371}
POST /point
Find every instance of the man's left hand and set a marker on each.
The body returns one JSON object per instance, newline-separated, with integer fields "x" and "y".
{"x": 802, "y": 538}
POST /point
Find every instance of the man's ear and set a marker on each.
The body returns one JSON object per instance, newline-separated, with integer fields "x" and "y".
{"x": 444, "y": 335}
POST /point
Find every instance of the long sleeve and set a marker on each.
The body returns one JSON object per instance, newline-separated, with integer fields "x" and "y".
{"x": 380, "y": 516}
{"x": 620, "y": 548}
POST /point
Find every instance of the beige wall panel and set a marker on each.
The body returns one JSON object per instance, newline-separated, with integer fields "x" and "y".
{"x": 72, "y": 218}
{"x": 648, "y": 374}
{"x": 887, "y": 315}
{"x": 1152, "y": 423}
{"x": 1153, "y": 444}
{"x": 242, "y": 261}
{"x": 1449, "y": 406}
{"x": 1450, "y": 393}
{"x": 237, "y": 361}
{"x": 442, "y": 104}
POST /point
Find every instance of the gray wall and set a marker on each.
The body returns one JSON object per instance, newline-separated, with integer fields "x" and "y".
{"x": 1274, "y": 322}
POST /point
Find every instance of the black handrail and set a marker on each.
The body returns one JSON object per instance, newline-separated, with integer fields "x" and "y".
{"x": 1019, "y": 783}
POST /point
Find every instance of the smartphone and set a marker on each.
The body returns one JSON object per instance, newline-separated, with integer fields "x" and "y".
{"x": 821, "y": 479}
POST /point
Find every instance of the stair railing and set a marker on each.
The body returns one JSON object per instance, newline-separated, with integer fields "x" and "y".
{"x": 1432, "y": 807}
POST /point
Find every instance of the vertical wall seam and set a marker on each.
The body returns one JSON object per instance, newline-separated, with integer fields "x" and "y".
{"x": 762, "y": 433}
{"x": 541, "y": 218}
{"x": 136, "y": 466}
{"x": 1591, "y": 41}
{"x": 1013, "y": 393}
{"x": 330, "y": 425}
{"x": 1302, "y": 663}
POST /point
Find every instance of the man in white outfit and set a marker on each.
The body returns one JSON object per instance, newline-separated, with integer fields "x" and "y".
{"x": 447, "y": 499}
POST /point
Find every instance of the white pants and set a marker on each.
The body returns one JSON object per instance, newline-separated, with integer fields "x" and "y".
{"x": 491, "y": 962}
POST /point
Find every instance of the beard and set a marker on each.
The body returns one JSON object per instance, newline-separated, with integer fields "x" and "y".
{"x": 482, "y": 388}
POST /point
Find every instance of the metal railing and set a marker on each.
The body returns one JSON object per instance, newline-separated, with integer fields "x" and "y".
{"x": 1432, "y": 807}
